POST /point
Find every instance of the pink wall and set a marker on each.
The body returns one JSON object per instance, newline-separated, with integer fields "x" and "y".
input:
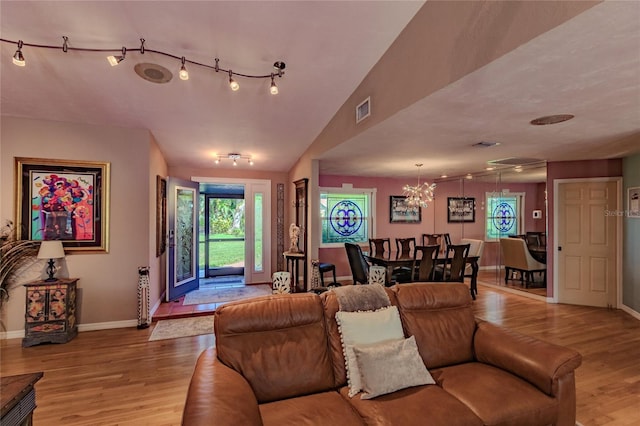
{"x": 573, "y": 170}
{"x": 434, "y": 217}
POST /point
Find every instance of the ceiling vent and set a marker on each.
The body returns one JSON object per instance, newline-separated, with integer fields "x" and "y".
{"x": 363, "y": 110}
{"x": 515, "y": 161}
{"x": 485, "y": 144}
{"x": 153, "y": 72}
{"x": 551, "y": 119}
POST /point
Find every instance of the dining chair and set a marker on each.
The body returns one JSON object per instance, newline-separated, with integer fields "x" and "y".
{"x": 533, "y": 238}
{"x": 424, "y": 263}
{"x": 431, "y": 239}
{"x": 358, "y": 264}
{"x": 405, "y": 247}
{"x": 455, "y": 261}
{"x": 517, "y": 258}
{"x": 379, "y": 246}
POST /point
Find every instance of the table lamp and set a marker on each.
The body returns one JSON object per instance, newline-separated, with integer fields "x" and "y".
{"x": 51, "y": 250}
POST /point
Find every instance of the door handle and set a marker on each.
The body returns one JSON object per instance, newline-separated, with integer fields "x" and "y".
{"x": 559, "y": 248}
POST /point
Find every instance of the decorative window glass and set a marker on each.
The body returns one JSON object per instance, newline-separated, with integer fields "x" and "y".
{"x": 345, "y": 217}
{"x": 503, "y": 215}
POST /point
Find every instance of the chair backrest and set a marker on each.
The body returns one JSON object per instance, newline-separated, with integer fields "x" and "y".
{"x": 456, "y": 260}
{"x": 431, "y": 239}
{"x": 533, "y": 238}
{"x": 424, "y": 260}
{"x": 379, "y": 246}
{"x": 515, "y": 254}
{"x": 447, "y": 239}
{"x": 358, "y": 264}
{"x": 405, "y": 247}
{"x": 476, "y": 248}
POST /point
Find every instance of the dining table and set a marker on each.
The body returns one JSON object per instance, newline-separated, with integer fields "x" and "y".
{"x": 391, "y": 260}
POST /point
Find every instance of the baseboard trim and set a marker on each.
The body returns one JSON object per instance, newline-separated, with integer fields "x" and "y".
{"x": 630, "y": 311}
{"x": 107, "y": 325}
{"x": 15, "y": 334}
{"x": 519, "y": 292}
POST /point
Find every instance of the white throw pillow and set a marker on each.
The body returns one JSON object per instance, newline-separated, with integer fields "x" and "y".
{"x": 390, "y": 366}
{"x": 362, "y": 328}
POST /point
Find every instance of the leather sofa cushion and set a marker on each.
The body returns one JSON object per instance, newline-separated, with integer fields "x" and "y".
{"x": 321, "y": 409}
{"x": 484, "y": 389}
{"x": 416, "y": 406}
{"x": 330, "y": 305}
{"x": 441, "y": 318}
{"x": 278, "y": 343}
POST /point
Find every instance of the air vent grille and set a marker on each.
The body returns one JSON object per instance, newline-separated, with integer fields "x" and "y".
{"x": 515, "y": 161}
{"x": 485, "y": 144}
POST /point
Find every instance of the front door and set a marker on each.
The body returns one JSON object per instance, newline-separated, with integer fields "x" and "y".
{"x": 182, "y": 258}
{"x": 587, "y": 243}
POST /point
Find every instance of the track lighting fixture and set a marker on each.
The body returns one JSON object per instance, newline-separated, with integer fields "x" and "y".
{"x": 18, "y": 59}
{"x": 234, "y": 157}
{"x": 184, "y": 74}
{"x": 232, "y": 83}
{"x": 115, "y": 59}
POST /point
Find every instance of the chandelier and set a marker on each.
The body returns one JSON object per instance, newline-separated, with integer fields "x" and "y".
{"x": 419, "y": 195}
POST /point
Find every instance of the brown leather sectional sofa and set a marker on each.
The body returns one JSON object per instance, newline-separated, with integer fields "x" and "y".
{"x": 279, "y": 361}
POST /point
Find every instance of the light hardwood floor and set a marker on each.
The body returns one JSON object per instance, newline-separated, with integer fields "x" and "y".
{"x": 117, "y": 377}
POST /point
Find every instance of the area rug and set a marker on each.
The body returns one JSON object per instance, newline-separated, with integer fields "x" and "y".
{"x": 211, "y": 294}
{"x": 182, "y": 327}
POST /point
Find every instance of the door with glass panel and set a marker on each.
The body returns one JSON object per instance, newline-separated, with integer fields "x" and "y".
{"x": 222, "y": 238}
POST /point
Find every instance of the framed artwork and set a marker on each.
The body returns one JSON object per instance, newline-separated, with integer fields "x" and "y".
{"x": 633, "y": 201}
{"x": 399, "y": 212}
{"x": 63, "y": 200}
{"x": 461, "y": 209}
{"x": 161, "y": 215}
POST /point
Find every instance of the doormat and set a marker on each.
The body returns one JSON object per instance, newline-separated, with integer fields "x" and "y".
{"x": 211, "y": 294}
{"x": 182, "y": 327}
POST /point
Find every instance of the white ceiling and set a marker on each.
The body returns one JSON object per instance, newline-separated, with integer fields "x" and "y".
{"x": 589, "y": 66}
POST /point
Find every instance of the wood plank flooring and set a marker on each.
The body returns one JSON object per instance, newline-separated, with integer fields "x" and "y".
{"x": 117, "y": 377}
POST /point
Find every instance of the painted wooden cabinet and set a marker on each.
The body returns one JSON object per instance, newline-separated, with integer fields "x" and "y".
{"x": 50, "y": 312}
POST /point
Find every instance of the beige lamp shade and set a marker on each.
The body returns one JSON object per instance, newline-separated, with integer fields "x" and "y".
{"x": 51, "y": 250}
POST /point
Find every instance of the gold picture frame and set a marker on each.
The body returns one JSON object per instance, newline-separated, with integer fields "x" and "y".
{"x": 63, "y": 200}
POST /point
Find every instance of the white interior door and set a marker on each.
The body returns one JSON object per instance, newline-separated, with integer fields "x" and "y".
{"x": 587, "y": 242}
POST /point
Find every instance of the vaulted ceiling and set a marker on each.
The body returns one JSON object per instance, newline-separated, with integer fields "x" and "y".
{"x": 588, "y": 66}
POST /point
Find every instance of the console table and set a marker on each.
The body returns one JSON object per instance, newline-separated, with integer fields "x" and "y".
{"x": 51, "y": 312}
{"x": 18, "y": 399}
{"x": 292, "y": 259}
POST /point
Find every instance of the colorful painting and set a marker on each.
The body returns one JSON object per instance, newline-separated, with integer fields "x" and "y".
{"x": 63, "y": 200}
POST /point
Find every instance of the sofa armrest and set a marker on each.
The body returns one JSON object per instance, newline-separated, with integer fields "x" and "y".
{"x": 541, "y": 363}
{"x": 219, "y": 395}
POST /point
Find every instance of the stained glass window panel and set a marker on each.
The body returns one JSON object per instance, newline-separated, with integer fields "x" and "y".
{"x": 502, "y": 217}
{"x": 345, "y": 218}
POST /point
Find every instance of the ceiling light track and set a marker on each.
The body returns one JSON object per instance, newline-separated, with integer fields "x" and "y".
{"x": 279, "y": 66}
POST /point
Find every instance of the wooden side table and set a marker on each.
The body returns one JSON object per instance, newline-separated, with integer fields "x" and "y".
{"x": 50, "y": 312}
{"x": 18, "y": 399}
{"x": 291, "y": 259}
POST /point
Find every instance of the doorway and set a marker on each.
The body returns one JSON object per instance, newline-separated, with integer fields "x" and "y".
{"x": 252, "y": 198}
{"x": 222, "y": 230}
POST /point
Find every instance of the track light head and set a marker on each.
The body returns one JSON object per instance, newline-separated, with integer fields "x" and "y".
{"x": 115, "y": 60}
{"x": 273, "y": 89}
{"x": 18, "y": 58}
{"x": 234, "y": 86}
{"x": 65, "y": 44}
{"x": 184, "y": 74}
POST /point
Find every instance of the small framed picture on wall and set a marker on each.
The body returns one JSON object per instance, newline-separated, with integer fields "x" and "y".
{"x": 633, "y": 207}
{"x": 400, "y": 212}
{"x": 461, "y": 209}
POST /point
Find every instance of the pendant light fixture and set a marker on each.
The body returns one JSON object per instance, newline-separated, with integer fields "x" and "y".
{"x": 420, "y": 195}
{"x": 18, "y": 59}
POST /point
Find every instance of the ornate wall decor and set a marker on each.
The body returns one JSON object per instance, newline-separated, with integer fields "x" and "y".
{"x": 280, "y": 226}
{"x": 63, "y": 200}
